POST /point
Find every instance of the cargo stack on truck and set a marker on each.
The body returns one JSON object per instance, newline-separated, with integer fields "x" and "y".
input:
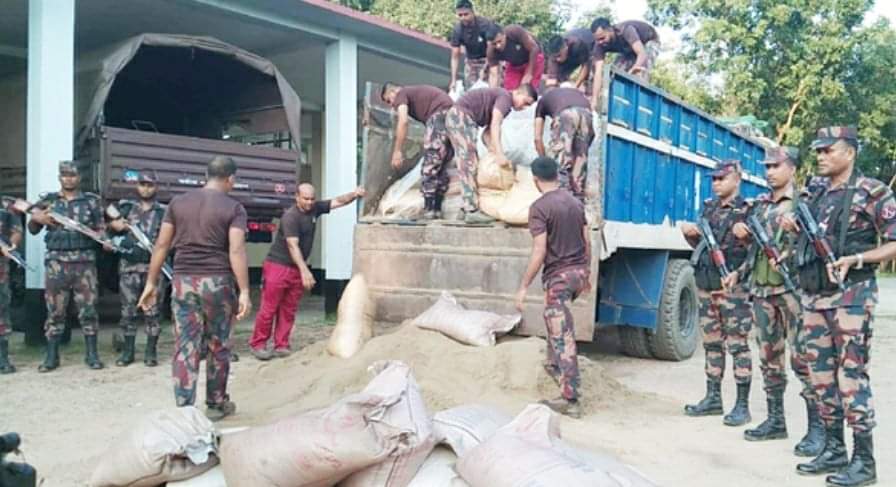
{"x": 170, "y": 103}
{"x": 648, "y": 170}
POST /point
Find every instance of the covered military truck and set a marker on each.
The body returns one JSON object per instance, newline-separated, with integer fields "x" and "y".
{"x": 649, "y": 169}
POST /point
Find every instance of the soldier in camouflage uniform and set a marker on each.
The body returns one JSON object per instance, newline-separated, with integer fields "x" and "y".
{"x": 725, "y": 315}
{"x": 561, "y": 246}
{"x": 71, "y": 263}
{"x": 853, "y": 211}
{"x": 11, "y": 232}
{"x": 429, "y": 106}
{"x": 146, "y": 214}
{"x": 572, "y": 133}
{"x": 776, "y": 308}
{"x": 206, "y": 228}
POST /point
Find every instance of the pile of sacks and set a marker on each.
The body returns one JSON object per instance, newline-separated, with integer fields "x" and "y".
{"x": 382, "y": 436}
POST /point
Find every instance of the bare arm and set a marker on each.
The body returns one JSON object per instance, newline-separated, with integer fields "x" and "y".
{"x": 455, "y": 64}
{"x": 238, "y": 261}
{"x": 641, "y": 60}
{"x": 536, "y": 260}
{"x": 401, "y": 133}
{"x": 347, "y": 198}
{"x": 308, "y": 282}
{"x": 596, "y": 85}
{"x": 534, "y": 50}
{"x": 494, "y": 64}
{"x": 584, "y": 71}
{"x": 495, "y": 133}
{"x": 539, "y": 136}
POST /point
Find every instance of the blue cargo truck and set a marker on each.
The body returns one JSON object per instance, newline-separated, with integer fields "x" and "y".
{"x": 649, "y": 169}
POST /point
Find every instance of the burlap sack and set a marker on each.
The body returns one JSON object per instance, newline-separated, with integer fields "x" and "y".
{"x": 438, "y": 470}
{"x": 409, "y": 415}
{"x": 315, "y": 449}
{"x": 490, "y": 175}
{"x": 465, "y": 427}
{"x": 529, "y": 440}
{"x": 168, "y": 445}
{"x": 471, "y": 327}
{"x": 354, "y": 319}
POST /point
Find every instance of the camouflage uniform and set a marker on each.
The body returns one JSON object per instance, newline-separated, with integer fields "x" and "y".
{"x": 133, "y": 267}
{"x": 572, "y": 132}
{"x": 626, "y": 62}
{"x": 475, "y": 70}
{"x": 560, "y": 290}
{"x": 9, "y": 224}
{"x": 776, "y": 310}
{"x": 838, "y": 325}
{"x": 725, "y": 317}
{"x": 71, "y": 262}
{"x": 437, "y": 153}
{"x": 462, "y": 132}
{"x": 204, "y": 309}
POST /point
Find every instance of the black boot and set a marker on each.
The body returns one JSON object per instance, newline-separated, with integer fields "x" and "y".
{"x": 774, "y": 427}
{"x": 51, "y": 361}
{"x": 861, "y": 469}
{"x": 149, "y": 355}
{"x": 6, "y": 367}
{"x": 740, "y": 414}
{"x": 429, "y": 212}
{"x": 811, "y": 444}
{"x": 91, "y": 358}
{"x": 127, "y": 352}
{"x": 710, "y": 405}
{"x": 437, "y": 206}
{"x": 832, "y": 457}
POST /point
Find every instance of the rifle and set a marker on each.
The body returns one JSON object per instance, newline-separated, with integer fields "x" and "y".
{"x": 14, "y": 255}
{"x": 770, "y": 249}
{"x": 822, "y": 247}
{"x": 712, "y": 246}
{"x": 69, "y": 224}
{"x": 141, "y": 239}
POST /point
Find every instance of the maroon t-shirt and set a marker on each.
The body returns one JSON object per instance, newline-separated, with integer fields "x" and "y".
{"x": 559, "y": 214}
{"x": 559, "y": 99}
{"x": 422, "y": 100}
{"x": 479, "y": 103}
{"x": 296, "y": 223}
{"x": 202, "y": 221}
{"x": 515, "y": 51}
{"x": 581, "y": 44}
{"x": 627, "y": 33}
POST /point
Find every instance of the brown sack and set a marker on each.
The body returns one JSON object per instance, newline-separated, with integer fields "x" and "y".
{"x": 354, "y": 319}
{"x": 315, "y": 449}
{"x": 490, "y": 175}
{"x": 168, "y": 445}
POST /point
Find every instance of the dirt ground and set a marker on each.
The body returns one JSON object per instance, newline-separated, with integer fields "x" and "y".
{"x": 634, "y": 406}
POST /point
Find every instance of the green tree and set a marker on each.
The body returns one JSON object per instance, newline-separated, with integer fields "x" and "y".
{"x": 602, "y": 9}
{"x": 798, "y": 64}
{"x": 694, "y": 90}
{"x": 543, "y": 18}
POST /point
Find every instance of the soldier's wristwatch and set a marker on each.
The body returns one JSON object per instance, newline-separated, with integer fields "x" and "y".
{"x": 860, "y": 261}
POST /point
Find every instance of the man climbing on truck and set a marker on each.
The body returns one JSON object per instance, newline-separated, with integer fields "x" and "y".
{"x": 560, "y": 245}
{"x": 429, "y": 106}
{"x": 572, "y": 132}
{"x": 484, "y": 107}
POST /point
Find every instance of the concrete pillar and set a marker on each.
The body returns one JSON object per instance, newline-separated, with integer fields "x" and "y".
{"x": 50, "y": 126}
{"x": 340, "y": 174}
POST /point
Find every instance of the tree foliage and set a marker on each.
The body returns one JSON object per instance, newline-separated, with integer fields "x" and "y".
{"x": 799, "y": 64}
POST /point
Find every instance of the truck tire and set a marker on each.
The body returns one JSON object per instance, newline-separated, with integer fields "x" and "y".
{"x": 676, "y": 334}
{"x": 634, "y": 341}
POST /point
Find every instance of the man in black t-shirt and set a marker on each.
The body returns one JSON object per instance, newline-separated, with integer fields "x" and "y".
{"x": 469, "y": 33}
{"x": 285, "y": 274}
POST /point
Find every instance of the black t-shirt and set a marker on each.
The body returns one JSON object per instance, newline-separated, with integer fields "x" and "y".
{"x": 472, "y": 37}
{"x": 297, "y": 223}
{"x": 581, "y": 46}
{"x": 627, "y": 33}
{"x": 559, "y": 99}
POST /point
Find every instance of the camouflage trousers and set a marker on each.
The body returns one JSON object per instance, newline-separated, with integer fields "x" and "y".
{"x": 204, "y": 309}
{"x": 625, "y": 63}
{"x": 725, "y": 319}
{"x": 5, "y": 300}
{"x": 71, "y": 280}
{"x": 779, "y": 321}
{"x": 130, "y": 287}
{"x": 560, "y": 290}
{"x": 838, "y": 347}
{"x": 474, "y": 70}
{"x": 572, "y": 133}
{"x": 437, "y": 153}
{"x": 462, "y": 132}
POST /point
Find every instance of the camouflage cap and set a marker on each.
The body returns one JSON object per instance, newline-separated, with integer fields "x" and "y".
{"x": 147, "y": 176}
{"x": 828, "y": 136}
{"x": 726, "y": 167}
{"x": 68, "y": 168}
{"x": 783, "y": 153}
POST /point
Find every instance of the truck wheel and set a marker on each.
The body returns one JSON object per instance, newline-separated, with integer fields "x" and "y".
{"x": 634, "y": 341}
{"x": 676, "y": 332}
